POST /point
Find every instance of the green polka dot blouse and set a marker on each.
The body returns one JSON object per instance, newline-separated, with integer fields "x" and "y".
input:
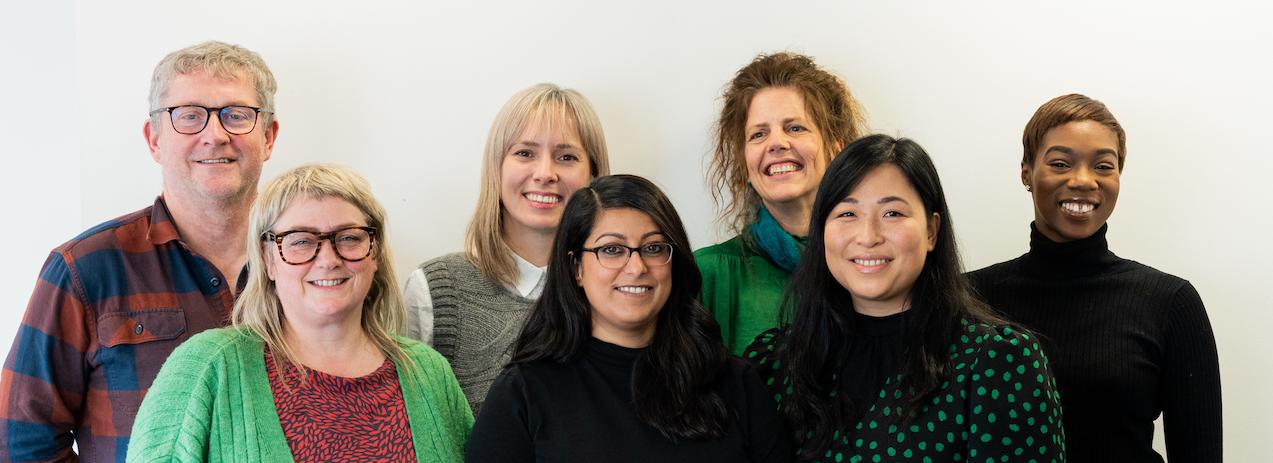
{"x": 1000, "y": 405}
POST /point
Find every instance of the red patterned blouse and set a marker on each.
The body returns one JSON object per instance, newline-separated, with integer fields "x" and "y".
{"x": 335, "y": 419}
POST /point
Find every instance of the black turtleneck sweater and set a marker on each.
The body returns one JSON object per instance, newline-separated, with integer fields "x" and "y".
{"x": 582, "y": 411}
{"x": 1126, "y": 342}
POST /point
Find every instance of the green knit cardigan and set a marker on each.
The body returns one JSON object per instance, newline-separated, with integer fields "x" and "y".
{"x": 212, "y": 402}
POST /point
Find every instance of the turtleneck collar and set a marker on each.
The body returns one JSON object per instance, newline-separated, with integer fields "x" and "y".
{"x": 881, "y": 327}
{"x": 612, "y": 354}
{"x": 1073, "y": 259}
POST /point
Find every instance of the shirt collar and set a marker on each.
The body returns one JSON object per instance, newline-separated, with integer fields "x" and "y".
{"x": 530, "y": 279}
{"x": 162, "y": 228}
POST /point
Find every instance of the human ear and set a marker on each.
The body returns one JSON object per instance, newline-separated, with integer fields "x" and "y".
{"x": 934, "y": 225}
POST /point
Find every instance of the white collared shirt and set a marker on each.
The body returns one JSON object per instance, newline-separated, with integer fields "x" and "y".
{"x": 530, "y": 283}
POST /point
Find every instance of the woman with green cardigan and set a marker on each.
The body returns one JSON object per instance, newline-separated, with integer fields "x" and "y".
{"x": 311, "y": 369}
{"x": 783, "y": 119}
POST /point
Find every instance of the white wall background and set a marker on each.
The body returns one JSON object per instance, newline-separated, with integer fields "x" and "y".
{"x": 405, "y": 91}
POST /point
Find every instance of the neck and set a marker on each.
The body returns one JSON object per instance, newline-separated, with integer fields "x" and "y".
{"x": 339, "y": 348}
{"x": 881, "y": 309}
{"x": 214, "y": 230}
{"x": 792, "y": 215}
{"x": 632, "y": 339}
{"x": 532, "y": 245}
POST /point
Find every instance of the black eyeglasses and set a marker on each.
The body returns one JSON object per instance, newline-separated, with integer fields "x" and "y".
{"x": 192, "y": 119}
{"x": 298, "y": 247}
{"x": 615, "y": 256}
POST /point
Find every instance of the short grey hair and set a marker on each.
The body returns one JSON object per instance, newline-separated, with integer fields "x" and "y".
{"x": 223, "y": 60}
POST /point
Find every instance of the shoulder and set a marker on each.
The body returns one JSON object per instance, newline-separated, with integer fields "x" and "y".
{"x": 445, "y": 262}
{"x": 109, "y": 234}
{"x": 215, "y": 343}
{"x": 424, "y": 356}
{"x": 993, "y": 273}
{"x": 983, "y": 344}
{"x": 761, "y": 351}
{"x": 735, "y": 247}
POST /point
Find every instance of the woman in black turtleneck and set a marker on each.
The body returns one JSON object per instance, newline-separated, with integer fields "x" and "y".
{"x": 1127, "y": 342}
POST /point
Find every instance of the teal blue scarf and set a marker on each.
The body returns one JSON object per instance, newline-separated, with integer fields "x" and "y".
{"x": 781, "y": 247}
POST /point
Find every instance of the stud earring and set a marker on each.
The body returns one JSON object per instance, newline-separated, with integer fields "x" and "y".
{"x": 1027, "y": 188}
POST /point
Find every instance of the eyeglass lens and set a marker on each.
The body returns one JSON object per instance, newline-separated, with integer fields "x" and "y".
{"x": 190, "y": 120}
{"x": 615, "y": 256}
{"x": 351, "y": 244}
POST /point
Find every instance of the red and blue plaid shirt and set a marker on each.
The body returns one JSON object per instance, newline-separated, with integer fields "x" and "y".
{"x": 107, "y": 309}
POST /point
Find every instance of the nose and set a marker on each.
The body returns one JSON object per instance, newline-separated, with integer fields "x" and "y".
{"x": 1082, "y": 179}
{"x": 869, "y": 235}
{"x": 778, "y": 142}
{"x": 214, "y": 133}
{"x": 545, "y": 169}
{"x": 635, "y": 264}
{"x": 327, "y": 256}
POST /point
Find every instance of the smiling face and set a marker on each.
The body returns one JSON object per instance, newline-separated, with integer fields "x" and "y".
{"x": 877, "y": 239}
{"x": 211, "y": 165}
{"x": 327, "y": 289}
{"x": 625, "y": 302}
{"x": 1074, "y": 180}
{"x": 784, "y": 151}
{"x": 543, "y": 167}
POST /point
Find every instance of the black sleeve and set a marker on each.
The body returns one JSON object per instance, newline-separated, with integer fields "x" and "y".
{"x": 1191, "y": 382}
{"x": 767, "y": 439}
{"x": 502, "y": 431}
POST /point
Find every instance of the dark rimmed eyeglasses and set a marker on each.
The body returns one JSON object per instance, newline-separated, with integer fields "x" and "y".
{"x": 192, "y": 119}
{"x": 298, "y": 247}
{"x": 615, "y": 256}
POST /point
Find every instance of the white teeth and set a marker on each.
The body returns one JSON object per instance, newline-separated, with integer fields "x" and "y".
{"x": 783, "y": 168}
{"x": 215, "y": 161}
{"x": 869, "y": 262}
{"x": 1080, "y": 208}
{"x": 328, "y": 282}
{"x": 633, "y": 289}
{"x": 546, "y": 199}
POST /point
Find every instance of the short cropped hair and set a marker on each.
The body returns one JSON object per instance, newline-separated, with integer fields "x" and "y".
{"x": 1063, "y": 110}
{"x": 223, "y": 60}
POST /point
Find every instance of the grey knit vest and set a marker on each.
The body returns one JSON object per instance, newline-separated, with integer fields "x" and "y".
{"x": 475, "y": 321}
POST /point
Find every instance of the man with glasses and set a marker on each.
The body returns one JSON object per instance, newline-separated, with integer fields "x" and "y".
{"x": 110, "y": 305}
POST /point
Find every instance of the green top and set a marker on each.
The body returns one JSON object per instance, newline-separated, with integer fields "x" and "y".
{"x": 999, "y": 404}
{"x": 742, "y": 288}
{"x": 212, "y": 402}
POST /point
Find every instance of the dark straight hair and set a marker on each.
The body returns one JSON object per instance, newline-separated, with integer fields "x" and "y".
{"x": 675, "y": 382}
{"x": 818, "y": 310}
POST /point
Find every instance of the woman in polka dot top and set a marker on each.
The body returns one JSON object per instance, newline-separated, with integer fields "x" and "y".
{"x": 885, "y": 354}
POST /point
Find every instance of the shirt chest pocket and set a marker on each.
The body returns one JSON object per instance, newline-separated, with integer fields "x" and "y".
{"x": 139, "y": 326}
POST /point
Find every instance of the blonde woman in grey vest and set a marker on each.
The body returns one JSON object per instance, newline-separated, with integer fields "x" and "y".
{"x": 546, "y": 142}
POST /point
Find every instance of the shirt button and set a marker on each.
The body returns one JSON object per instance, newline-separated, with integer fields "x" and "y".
{"x": 216, "y": 282}
{"x": 137, "y": 329}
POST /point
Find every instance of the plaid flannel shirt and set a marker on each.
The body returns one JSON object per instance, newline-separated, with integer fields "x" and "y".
{"x": 107, "y": 309}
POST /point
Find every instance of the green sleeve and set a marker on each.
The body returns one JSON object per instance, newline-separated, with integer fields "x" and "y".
{"x": 176, "y": 417}
{"x": 1014, "y": 410}
{"x": 441, "y": 423}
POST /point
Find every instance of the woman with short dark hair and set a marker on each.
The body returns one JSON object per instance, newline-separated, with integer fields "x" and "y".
{"x": 1128, "y": 342}
{"x": 617, "y": 360}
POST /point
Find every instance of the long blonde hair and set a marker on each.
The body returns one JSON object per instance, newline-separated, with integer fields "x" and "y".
{"x": 555, "y": 107}
{"x": 259, "y": 310}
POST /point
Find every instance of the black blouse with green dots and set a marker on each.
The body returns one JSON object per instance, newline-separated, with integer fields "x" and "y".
{"x": 999, "y": 405}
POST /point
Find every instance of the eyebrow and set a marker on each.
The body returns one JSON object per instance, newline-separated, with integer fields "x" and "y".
{"x": 886, "y": 199}
{"x": 1070, "y": 151}
{"x": 784, "y": 121}
{"x": 624, "y": 237}
{"x": 536, "y": 145}
{"x": 315, "y": 230}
